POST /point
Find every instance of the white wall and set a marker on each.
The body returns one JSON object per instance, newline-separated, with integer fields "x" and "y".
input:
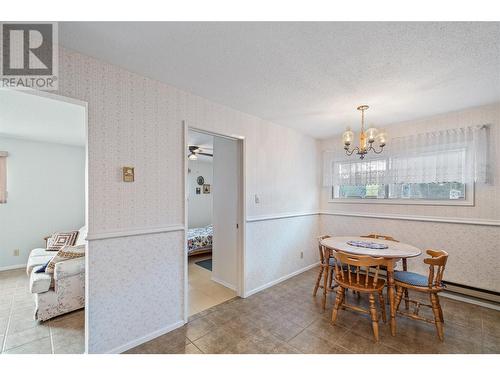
{"x": 226, "y": 211}
{"x": 46, "y": 193}
{"x": 199, "y": 205}
{"x": 471, "y": 246}
{"x": 136, "y": 121}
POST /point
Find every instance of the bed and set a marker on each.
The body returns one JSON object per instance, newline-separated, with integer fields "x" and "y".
{"x": 199, "y": 240}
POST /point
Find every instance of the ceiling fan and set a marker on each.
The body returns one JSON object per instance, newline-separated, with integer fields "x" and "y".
{"x": 194, "y": 151}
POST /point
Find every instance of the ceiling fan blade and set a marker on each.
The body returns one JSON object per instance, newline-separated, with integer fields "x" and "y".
{"x": 203, "y": 153}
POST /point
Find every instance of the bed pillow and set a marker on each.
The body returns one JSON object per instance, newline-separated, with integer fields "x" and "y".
{"x": 66, "y": 253}
{"x": 58, "y": 240}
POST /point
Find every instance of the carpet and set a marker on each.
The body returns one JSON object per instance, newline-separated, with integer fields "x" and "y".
{"x": 207, "y": 264}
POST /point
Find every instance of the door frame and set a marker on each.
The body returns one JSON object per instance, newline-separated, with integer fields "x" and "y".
{"x": 241, "y": 249}
{"x": 85, "y": 105}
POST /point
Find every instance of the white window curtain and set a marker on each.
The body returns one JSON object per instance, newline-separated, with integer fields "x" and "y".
{"x": 454, "y": 155}
{"x": 3, "y": 176}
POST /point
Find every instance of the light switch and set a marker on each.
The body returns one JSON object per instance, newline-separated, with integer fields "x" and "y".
{"x": 128, "y": 174}
{"x": 257, "y": 199}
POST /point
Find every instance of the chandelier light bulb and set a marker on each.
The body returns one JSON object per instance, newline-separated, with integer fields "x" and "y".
{"x": 347, "y": 137}
{"x": 371, "y": 134}
{"x": 382, "y": 138}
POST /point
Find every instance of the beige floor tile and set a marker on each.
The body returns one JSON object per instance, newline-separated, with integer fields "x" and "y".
{"x": 41, "y": 346}
{"x": 203, "y": 292}
{"x": 192, "y": 349}
{"x": 171, "y": 343}
{"x": 69, "y": 343}
{"x": 4, "y": 311}
{"x": 198, "y": 328}
{"x": 19, "y": 324}
{"x": 310, "y": 343}
{"x": 26, "y": 336}
{"x": 24, "y": 333}
{"x": 4, "y": 322}
{"x": 68, "y": 324}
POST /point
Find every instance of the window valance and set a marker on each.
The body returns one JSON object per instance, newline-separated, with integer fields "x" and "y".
{"x": 454, "y": 155}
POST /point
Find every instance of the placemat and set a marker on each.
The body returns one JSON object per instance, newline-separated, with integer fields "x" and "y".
{"x": 367, "y": 244}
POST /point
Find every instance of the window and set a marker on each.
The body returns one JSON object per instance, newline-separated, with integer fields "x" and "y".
{"x": 412, "y": 191}
{"x": 436, "y": 167}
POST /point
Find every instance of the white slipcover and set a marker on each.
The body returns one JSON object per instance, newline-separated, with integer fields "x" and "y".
{"x": 63, "y": 293}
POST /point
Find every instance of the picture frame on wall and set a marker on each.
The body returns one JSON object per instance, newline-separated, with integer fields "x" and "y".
{"x": 206, "y": 189}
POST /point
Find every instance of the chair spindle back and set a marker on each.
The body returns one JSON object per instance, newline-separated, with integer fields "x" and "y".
{"x": 349, "y": 269}
{"x": 322, "y": 248}
{"x": 437, "y": 264}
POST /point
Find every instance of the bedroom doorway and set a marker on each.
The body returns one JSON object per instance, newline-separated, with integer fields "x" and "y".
{"x": 213, "y": 216}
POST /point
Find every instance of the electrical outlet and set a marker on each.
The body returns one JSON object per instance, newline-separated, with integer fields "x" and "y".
{"x": 301, "y": 255}
{"x": 257, "y": 199}
{"x": 16, "y": 252}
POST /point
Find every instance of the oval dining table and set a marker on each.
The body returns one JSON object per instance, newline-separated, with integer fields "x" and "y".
{"x": 394, "y": 252}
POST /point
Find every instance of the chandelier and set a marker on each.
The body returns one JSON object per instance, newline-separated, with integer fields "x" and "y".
{"x": 366, "y": 138}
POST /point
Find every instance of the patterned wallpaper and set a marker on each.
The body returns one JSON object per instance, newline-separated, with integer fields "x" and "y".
{"x": 136, "y": 283}
{"x": 135, "y": 288}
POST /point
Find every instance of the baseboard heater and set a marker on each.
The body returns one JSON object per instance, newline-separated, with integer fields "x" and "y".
{"x": 470, "y": 291}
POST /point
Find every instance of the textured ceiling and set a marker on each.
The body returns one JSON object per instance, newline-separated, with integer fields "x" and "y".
{"x": 310, "y": 76}
{"x": 42, "y": 119}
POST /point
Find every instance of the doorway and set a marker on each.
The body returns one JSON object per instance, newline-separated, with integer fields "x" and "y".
{"x": 213, "y": 220}
{"x": 43, "y": 215}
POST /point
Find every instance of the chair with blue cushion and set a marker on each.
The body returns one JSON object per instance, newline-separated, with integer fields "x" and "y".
{"x": 431, "y": 284}
{"x": 325, "y": 271}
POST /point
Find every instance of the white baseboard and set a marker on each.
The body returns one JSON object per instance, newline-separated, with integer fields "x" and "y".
{"x": 13, "y": 267}
{"x": 281, "y": 279}
{"x": 226, "y": 284}
{"x": 474, "y": 301}
{"x": 143, "y": 339}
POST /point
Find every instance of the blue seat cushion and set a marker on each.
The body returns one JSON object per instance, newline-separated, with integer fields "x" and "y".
{"x": 411, "y": 278}
{"x": 333, "y": 261}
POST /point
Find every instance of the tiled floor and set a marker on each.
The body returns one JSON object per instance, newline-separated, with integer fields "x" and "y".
{"x": 203, "y": 292}
{"x": 21, "y": 334}
{"x": 287, "y": 319}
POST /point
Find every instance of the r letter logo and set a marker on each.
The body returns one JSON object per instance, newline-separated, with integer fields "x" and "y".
{"x": 29, "y": 55}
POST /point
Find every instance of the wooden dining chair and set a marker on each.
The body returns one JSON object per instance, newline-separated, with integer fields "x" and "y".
{"x": 431, "y": 284}
{"x": 349, "y": 274}
{"x": 325, "y": 273}
{"x": 404, "y": 260}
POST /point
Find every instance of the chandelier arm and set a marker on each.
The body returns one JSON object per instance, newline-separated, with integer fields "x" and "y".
{"x": 375, "y": 150}
{"x": 350, "y": 152}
